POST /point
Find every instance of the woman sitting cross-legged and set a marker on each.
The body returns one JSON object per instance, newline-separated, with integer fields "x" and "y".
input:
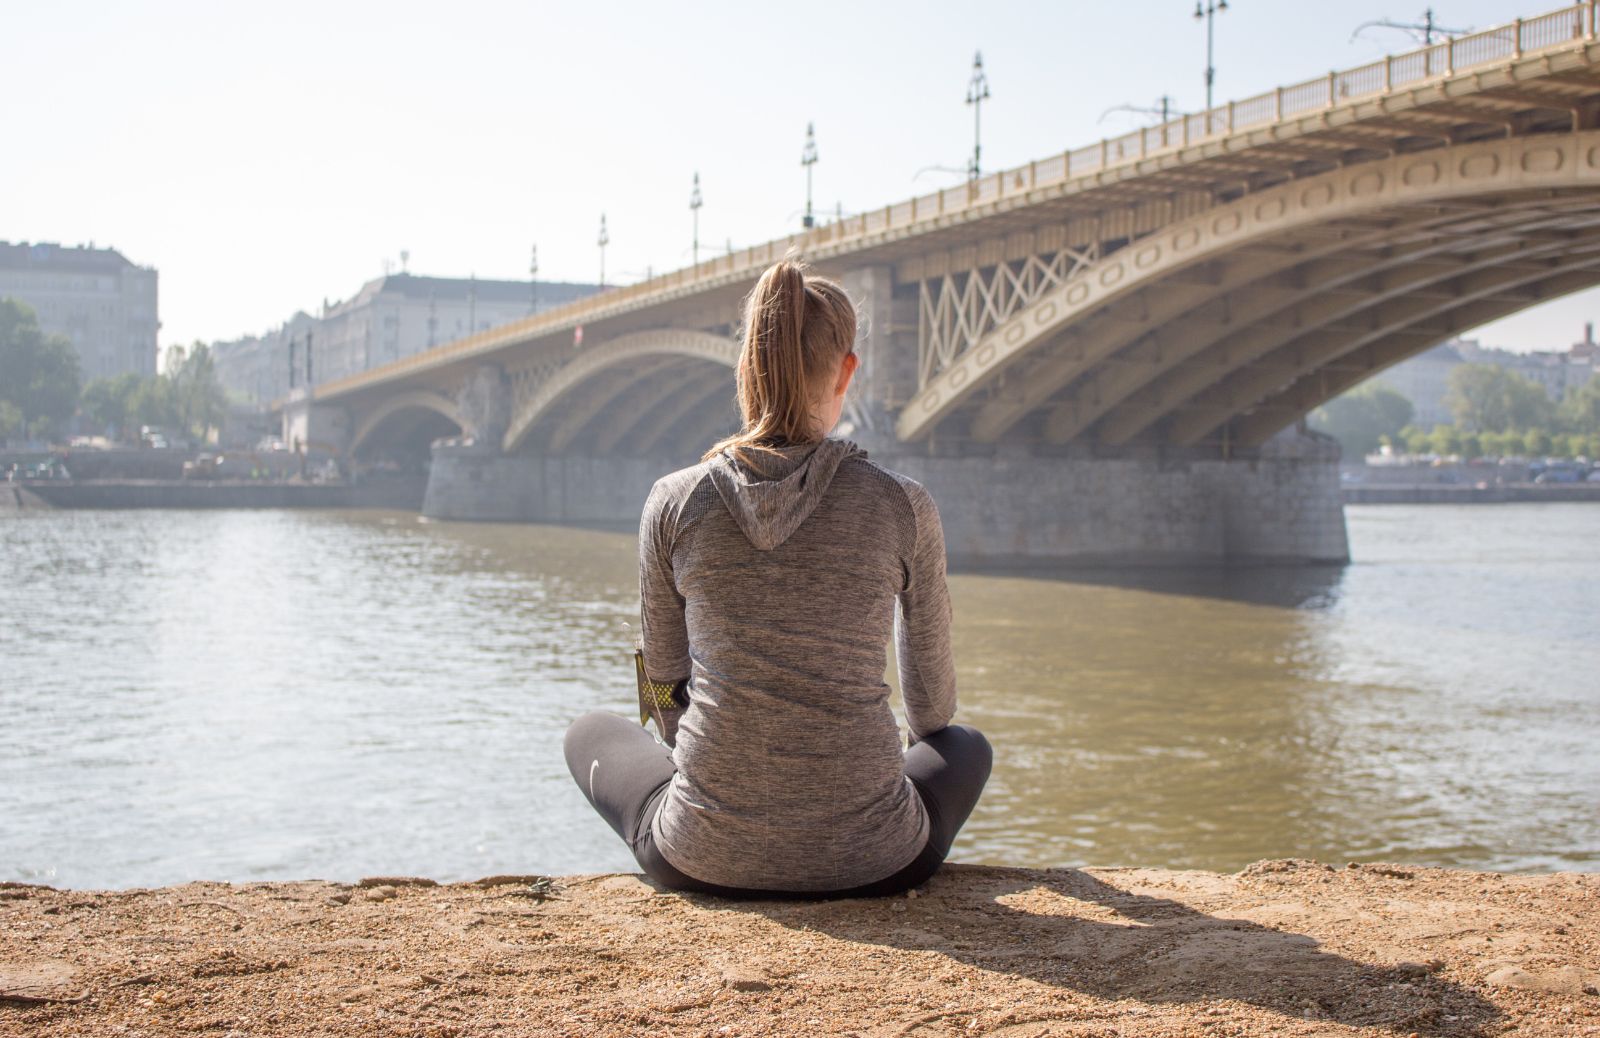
{"x": 772, "y": 574}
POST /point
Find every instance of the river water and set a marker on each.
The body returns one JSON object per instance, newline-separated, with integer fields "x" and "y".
{"x": 249, "y": 695}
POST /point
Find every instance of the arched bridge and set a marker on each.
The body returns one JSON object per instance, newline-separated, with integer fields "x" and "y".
{"x": 1179, "y": 295}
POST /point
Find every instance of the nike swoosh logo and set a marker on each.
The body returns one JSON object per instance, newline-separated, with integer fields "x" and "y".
{"x": 592, "y": 769}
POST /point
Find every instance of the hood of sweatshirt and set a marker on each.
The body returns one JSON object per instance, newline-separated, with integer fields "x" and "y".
{"x": 771, "y": 497}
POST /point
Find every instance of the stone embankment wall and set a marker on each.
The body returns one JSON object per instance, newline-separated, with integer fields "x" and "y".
{"x": 399, "y": 493}
{"x": 1282, "y": 506}
{"x": 153, "y": 493}
{"x": 16, "y": 498}
{"x": 465, "y": 483}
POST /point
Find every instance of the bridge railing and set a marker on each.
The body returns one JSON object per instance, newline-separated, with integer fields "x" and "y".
{"x": 1576, "y": 23}
{"x": 1556, "y": 29}
{"x": 1564, "y": 27}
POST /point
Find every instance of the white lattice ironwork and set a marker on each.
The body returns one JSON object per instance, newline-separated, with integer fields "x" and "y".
{"x": 527, "y": 378}
{"x": 956, "y": 310}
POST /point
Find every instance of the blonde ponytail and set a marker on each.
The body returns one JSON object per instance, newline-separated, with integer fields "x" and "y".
{"x": 797, "y": 326}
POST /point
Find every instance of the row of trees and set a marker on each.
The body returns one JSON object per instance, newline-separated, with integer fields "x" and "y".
{"x": 1445, "y": 440}
{"x": 1497, "y": 413}
{"x": 186, "y": 397}
{"x": 42, "y": 389}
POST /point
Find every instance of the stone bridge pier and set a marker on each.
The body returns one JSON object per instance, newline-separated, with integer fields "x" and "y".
{"x": 313, "y": 427}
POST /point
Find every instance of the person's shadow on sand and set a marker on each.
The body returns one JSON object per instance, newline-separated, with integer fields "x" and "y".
{"x": 1118, "y": 945}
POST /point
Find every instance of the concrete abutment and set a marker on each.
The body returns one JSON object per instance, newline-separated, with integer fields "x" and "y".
{"x": 1281, "y": 506}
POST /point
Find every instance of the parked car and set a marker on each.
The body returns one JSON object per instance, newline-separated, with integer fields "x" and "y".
{"x": 203, "y": 467}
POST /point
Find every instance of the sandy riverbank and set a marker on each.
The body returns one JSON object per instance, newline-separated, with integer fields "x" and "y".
{"x": 1280, "y": 948}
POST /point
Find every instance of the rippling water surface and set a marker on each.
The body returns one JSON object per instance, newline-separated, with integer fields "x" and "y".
{"x": 243, "y": 695}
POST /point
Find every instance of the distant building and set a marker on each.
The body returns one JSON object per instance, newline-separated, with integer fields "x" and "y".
{"x": 1558, "y": 372}
{"x": 390, "y": 317}
{"x": 101, "y": 302}
{"x": 1425, "y": 378}
{"x": 255, "y": 369}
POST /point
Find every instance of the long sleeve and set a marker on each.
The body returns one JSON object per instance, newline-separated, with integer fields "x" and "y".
{"x": 664, "y": 637}
{"x": 922, "y": 624}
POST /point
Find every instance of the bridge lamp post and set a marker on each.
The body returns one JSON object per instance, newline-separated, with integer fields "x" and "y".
{"x": 695, "y": 202}
{"x": 533, "y": 282}
{"x": 808, "y": 158}
{"x": 977, "y": 94}
{"x": 603, "y": 241}
{"x": 1209, "y": 13}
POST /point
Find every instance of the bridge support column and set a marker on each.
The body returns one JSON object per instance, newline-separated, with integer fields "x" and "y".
{"x": 467, "y": 483}
{"x": 484, "y": 403}
{"x": 314, "y": 427}
{"x": 1286, "y": 505}
{"x": 886, "y": 345}
{"x": 1281, "y": 505}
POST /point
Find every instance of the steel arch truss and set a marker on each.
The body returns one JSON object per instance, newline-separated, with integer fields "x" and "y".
{"x": 956, "y": 310}
{"x": 1236, "y": 311}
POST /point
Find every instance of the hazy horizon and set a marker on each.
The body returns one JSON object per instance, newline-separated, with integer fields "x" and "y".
{"x": 264, "y": 161}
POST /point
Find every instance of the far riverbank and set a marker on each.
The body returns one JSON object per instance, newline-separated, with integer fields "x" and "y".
{"x": 1282, "y": 947}
{"x": 1474, "y": 494}
{"x": 400, "y": 494}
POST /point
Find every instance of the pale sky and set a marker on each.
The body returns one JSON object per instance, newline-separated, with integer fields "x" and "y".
{"x": 266, "y": 157}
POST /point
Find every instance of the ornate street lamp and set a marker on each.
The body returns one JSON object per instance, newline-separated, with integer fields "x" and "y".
{"x": 1209, "y": 12}
{"x": 533, "y": 282}
{"x": 808, "y": 158}
{"x": 977, "y": 94}
{"x": 695, "y": 202}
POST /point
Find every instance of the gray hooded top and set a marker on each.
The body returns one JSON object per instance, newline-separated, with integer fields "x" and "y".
{"x": 774, "y": 591}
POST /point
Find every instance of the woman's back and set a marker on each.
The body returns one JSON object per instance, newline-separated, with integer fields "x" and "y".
{"x": 784, "y": 580}
{"x": 771, "y": 574}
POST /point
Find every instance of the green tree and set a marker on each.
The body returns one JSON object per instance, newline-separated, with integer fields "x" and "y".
{"x": 1498, "y": 444}
{"x": 197, "y": 397}
{"x": 38, "y": 372}
{"x": 11, "y": 421}
{"x": 1580, "y": 410}
{"x": 1488, "y": 398}
{"x": 109, "y": 403}
{"x": 1445, "y": 440}
{"x": 1361, "y": 418}
{"x": 151, "y": 403}
{"x": 1536, "y": 442}
{"x": 1414, "y": 439}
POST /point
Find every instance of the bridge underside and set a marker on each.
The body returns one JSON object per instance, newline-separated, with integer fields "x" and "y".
{"x": 406, "y": 435}
{"x": 1237, "y": 349}
{"x": 655, "y": 406}
{"x": 1232, "y": 347}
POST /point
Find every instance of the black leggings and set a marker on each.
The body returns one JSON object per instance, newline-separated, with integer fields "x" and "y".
{"x": 625, "y": 774}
